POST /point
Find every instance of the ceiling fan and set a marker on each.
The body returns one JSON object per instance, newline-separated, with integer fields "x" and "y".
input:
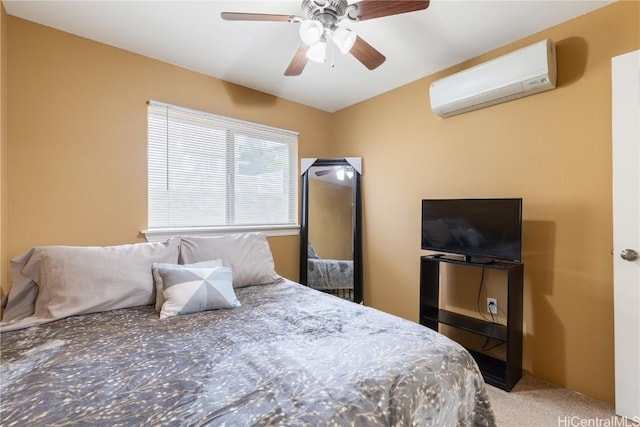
{"x": 328, "y": 171}
{"x": 322, "y": 23}
{"x": 340, "y": 172}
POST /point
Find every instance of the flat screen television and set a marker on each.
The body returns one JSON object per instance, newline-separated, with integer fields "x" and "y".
{"x": 484, "y": 229}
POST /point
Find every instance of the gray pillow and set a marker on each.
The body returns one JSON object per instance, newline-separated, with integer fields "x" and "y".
{"x": 87, "y": 279}
{"x": 21, "y": 300}
{"x": 311, "y": 252}
{"x": 248, "y": 255}
{"x": 195, "y": 289}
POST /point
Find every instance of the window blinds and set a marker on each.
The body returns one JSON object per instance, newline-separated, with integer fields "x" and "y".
{"x": 206, "y": 170}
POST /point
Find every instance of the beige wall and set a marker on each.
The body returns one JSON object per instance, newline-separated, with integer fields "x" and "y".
{"x": 77, "y": 137}
{"x": 3, "y": 150}
{"x": 331, "y": 219}
{"x": 76, "y": 150}
{"x": 553, "y": 149}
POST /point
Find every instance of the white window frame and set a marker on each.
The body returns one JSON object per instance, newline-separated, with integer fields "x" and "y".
{"x": 162, "y": 233}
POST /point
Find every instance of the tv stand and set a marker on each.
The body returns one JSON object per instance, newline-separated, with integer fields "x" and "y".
{"x": 500, "y": 373}
{"x": 473, "y": 260}
{"x": 463, "y": 258}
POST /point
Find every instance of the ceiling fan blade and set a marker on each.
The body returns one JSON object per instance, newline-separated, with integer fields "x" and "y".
{"x": 239, "y": 16}
{"x": 325, "y": 172}
{"x": 298, "y": 62}
{"x": 367, "y": 54}
{"x": 370, "y": 9}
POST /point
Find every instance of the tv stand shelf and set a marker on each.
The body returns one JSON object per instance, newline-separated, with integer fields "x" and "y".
{"x": 466, "y": 323}
{"x": 499, "y": 373}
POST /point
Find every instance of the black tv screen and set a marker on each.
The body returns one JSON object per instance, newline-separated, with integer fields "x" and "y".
{"x": 476, "y": 228}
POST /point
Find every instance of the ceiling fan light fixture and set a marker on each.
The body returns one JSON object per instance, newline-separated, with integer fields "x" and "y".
{"x": 344, "y": 38}
{"x": 317, "y": 52}
{"x": 311, "y": 32}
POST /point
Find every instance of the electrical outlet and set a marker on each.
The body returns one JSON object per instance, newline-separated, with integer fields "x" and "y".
{"x": 492, "y": 305}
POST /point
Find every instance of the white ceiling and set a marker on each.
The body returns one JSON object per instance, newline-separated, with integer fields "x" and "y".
{"x": 191, "y": 34}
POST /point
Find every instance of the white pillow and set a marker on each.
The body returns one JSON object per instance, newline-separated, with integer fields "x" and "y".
{"x": 157, "y": 278}
{"x": 85, "y": 279}
{"x": 194, "y": 289}
{"x": 248, "y": 255}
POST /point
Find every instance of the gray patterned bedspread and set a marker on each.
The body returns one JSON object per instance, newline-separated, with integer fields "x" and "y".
{"x": 290, "y": 356}
{"x": 329, "y": 273}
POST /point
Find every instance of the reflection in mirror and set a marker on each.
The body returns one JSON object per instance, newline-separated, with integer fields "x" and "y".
{"x": 330, "y": 233}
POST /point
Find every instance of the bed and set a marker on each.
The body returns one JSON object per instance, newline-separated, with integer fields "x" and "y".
{"x": 332, "y": 276}
{"x": 284, "y": 355}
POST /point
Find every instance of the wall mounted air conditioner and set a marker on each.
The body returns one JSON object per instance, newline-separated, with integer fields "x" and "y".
{"x": 523, "y": 72}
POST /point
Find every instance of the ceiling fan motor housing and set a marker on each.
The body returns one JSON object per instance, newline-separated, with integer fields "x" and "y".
{"x": 329, "y": 12}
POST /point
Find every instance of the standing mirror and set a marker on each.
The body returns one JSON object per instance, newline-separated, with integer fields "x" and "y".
{"x": 330, "y": 235}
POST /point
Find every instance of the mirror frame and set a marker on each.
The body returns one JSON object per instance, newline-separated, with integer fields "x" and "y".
{"x": 356, "y": 228}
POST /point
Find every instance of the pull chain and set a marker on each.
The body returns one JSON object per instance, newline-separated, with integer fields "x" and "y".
{"x": 332, "y": 63}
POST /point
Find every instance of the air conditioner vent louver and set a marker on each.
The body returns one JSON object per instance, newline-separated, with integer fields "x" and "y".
{"x": 523, "y": 72}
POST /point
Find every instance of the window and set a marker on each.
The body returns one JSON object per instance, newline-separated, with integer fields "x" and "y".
{"x": 212, "y": 173}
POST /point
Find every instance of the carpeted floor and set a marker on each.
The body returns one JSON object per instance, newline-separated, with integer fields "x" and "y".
{"x": 537, "y": 403}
